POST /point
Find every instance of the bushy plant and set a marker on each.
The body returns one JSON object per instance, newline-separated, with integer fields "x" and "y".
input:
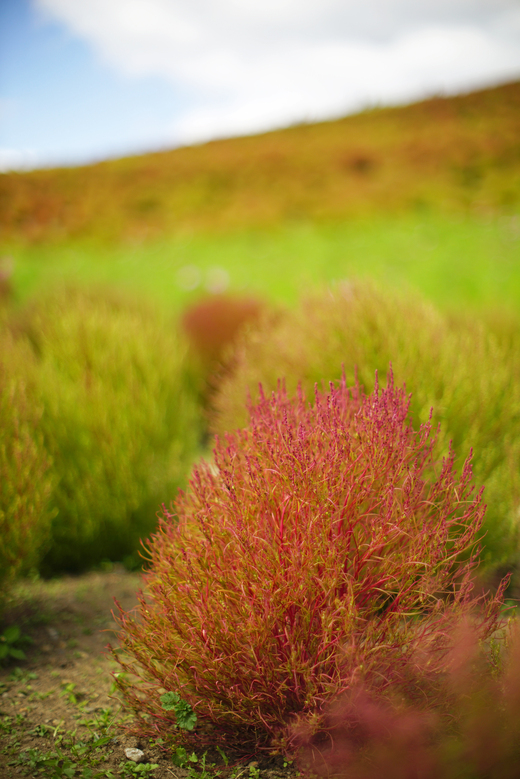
{"x": 118, "y": 419}
{"x": 466, "y": 371}
{"x": 6, "y": 287}
{"x": 212, "y": 325}
{"x": 321, "y": 548}
{"x": 364, "y": 737}
{"x": 25, "y": 477}
{"x": 213, "y": 322}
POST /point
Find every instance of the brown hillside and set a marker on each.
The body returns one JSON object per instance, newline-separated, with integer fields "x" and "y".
{"x": 452, "y": 154}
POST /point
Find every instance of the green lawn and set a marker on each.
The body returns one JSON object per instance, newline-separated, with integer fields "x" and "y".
{"x": 454, "y": 261}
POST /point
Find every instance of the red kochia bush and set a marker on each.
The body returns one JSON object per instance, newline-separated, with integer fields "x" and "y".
{"x": 323, "y": 548}
{"x": 214, "y": 322}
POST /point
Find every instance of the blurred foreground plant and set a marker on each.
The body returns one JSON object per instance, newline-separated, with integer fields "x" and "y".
{"x": 365, "y": 737}
{"x": 321, "y": 550}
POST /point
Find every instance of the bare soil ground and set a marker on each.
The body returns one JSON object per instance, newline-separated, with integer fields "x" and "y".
{"x": 58, "y": 717}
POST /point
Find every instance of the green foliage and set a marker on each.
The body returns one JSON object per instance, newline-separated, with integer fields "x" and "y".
{"x": 117, "y": 419}
{"x": 53, "y": 764}
{"x": 323, "y": 545}
{"x": 26, "y": 479}
{"x": 54, "y": 751}
{"x": 10, "y": 641}
{"x": 184, "y": 714}
{"x": 130, "y": 769}
{"x": 467, "y": 372}
{"x": 20, "y": 676}
{"x": 182, "y": 759}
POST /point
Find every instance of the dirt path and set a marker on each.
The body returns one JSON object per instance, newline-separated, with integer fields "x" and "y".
{"x": 57, "y": 716}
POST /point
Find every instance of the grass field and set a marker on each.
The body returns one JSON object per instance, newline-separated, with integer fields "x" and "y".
{"x": 454, "y": 261}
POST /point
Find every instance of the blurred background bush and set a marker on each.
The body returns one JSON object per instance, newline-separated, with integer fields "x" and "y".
{"x": 117, "y": 420}
{"x": 26, "y": 475}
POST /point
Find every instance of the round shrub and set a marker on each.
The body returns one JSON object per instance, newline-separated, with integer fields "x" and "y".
{"x": 213, "y": 323}
{"x": 25, "y": 476}
{"x": 467, "y": 372}
{"x": 320, "y": 548}
{"x": 118, "y": 420}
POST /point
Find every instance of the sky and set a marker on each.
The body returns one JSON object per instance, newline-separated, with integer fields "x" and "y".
{"x": 84, "y": 80}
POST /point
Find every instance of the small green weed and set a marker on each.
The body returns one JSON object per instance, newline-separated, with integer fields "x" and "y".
{"x": 53, "y": 764}
{"x": 186, "y": 717}
{"x": 41, "y": 730}
{"x": 67, "y": 754}
{"x": 40, "y": 696}
{"x": 223, "y": 755}
{"x": 68, "y": 692}
{"x": 10, "y": 641}
{"x": 6, "y": 725}
{"x": 130, "y": 769}
{"x": 20, "y": 676}
{"x": 181, "y": 759}
{"x": 101, "y": 722}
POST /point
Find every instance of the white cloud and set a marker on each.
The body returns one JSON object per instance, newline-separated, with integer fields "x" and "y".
{"x": 248, "y": 65}
{"x": 17, "y": 159}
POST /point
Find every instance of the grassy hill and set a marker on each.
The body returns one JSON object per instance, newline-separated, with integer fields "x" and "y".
{"x": 453, "y": 155}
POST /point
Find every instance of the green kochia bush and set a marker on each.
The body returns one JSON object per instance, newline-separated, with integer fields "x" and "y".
{"x": 25, "y": 476}
{"x": 118, "y": 420}
{"x": 468, "y": 374}
{"x": 321, "y": 548}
